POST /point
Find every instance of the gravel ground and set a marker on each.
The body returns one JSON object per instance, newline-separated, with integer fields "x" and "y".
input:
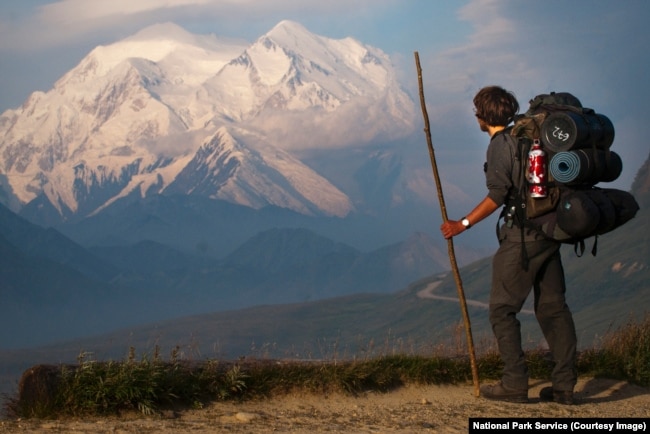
{"x": 426, "y": 409}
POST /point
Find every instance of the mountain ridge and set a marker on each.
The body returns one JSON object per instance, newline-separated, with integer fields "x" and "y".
{"x": 150, "y": 281}
{"x": 404, "y": 320}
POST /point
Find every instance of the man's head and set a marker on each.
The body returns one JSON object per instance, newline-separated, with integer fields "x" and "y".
{"x": 494, "y": 106}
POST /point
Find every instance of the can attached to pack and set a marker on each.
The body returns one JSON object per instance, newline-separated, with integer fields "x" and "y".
{"x": 536, "y": 171}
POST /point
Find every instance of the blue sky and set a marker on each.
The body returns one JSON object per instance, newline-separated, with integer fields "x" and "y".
{"x": 596, "y": 49}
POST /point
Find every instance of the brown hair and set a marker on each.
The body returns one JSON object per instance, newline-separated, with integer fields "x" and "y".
{"x": 495, "y": 105}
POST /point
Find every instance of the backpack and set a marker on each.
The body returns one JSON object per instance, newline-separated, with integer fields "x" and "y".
{"x": 577, "y": 143}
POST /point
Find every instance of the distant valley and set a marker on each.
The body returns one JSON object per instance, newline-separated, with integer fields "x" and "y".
{"x": 604, "y": 292}
{"x": 55, "y": 289}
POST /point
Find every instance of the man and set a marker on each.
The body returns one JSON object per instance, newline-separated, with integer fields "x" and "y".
{"x": 512, "y": 278}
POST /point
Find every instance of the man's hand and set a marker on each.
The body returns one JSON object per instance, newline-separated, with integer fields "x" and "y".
{"x": 451, "y": 228}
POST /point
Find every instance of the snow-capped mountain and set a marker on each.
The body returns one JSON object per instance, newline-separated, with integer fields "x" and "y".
{"x": 225, "y": 169}
{"x": 166, "y": 111}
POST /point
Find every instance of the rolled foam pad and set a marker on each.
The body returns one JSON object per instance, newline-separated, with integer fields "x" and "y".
{"x": 585, "y": 166}
{"x": 565, "y": 167}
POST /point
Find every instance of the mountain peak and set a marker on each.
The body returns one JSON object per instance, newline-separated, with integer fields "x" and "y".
{"x": 185, "y": 54}
{"x": 289, "y": 26}
{"x": 289, "y": 32}
{"x": 167, "y": 30}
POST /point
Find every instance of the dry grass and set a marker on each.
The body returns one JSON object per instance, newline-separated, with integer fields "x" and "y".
{"x": 151, "y": 384}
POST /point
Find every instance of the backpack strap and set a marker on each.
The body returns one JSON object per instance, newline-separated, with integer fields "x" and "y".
{"x": 579, "y": 247}
{"x": 516, "y": 207}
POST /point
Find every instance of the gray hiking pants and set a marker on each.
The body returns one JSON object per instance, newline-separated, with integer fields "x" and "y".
{"x": 511, "y": 285}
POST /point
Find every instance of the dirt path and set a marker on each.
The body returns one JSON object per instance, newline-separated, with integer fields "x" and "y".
{"x": 427, "y": 409}
{"x": 428, "y": 292}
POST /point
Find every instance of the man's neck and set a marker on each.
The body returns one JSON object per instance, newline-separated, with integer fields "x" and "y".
{"x": 492, "y": 130}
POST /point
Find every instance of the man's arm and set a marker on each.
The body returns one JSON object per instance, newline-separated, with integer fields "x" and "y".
{"x": 451, "y": 228}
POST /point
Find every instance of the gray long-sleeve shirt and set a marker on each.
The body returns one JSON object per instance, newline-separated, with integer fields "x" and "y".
{"x": 503, "y": 168}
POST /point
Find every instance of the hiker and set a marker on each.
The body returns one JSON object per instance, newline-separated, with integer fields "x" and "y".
{"x": 512, "y": 278}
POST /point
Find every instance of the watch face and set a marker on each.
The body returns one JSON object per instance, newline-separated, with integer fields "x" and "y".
{"x": 465, "y": 222}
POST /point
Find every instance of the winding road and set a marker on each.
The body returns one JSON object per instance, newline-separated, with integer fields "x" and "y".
{"x": 428, "y": 292}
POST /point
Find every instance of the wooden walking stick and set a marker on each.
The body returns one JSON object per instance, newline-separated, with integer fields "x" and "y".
{"x": 450, "y": 243}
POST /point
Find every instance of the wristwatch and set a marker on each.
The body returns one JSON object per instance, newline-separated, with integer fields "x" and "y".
{"x": 465, "y": 223}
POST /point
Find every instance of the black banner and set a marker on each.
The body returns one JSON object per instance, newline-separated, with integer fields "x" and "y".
{"x": 550, "y": 425}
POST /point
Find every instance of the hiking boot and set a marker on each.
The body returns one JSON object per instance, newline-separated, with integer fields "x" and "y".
{"x": 549, "y": 394}
{"x": 499, "y": 392}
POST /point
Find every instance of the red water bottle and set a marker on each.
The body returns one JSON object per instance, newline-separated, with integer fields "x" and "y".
{"x": 536, "y": 171}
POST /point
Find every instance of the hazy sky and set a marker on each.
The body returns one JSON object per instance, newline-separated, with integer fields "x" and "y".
{"x": 596, "y": 49}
